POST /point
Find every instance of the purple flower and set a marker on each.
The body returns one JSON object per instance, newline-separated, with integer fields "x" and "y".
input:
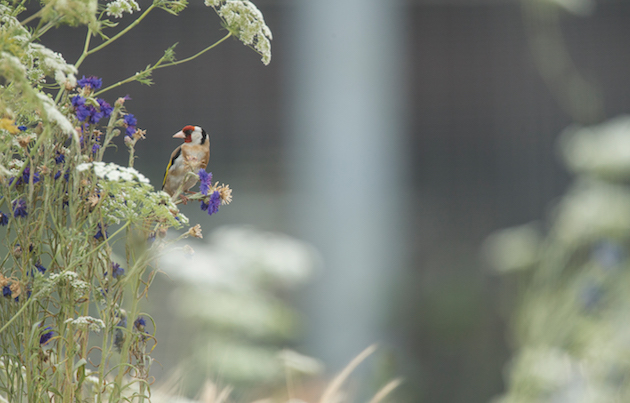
{"x": 140, "y": 323}
{"x": 26, "y": 174}
{"x": 40, "y": 268}
{"x": 130, "y": 120}
{"x": 58, "y": 174}
{"x": 19, "y": 208}
{"x": 205, "y": 180}
{"x": 117, "y": 270}
{"x": 83, "y": 112}
{"x": 60, "y": 158}
{"x": 77, "y": 101}
{"x": 4, "y": 219}
{"x": 204, "y": 206}
{"x": 93, "y": 82}
{"x": 22, "y": 128}
{"x": 102, "y": 233}
{"x": 45, "y": 337}
{"x": 214, "y": 203}
{"x": 95, "y": 148}
{"x": 106, "y": 109}
{"x": 6, "y": 291}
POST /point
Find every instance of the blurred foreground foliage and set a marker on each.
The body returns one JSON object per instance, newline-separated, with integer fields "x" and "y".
{"x": 570, "y": 329}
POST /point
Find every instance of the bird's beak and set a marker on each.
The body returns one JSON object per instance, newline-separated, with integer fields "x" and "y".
{"x": 179, "y": 135}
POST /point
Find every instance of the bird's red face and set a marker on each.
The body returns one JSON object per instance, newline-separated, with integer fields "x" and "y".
{"x": 185, "y": 133}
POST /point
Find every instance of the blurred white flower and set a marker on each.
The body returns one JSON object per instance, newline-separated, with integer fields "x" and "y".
{"x": 513, "y": 248}
{"x": 602, "y": 150}
{"x": 593, "y": 209}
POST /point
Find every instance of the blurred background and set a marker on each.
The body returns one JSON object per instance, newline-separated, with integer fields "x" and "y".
{"x": 387, "y": 140}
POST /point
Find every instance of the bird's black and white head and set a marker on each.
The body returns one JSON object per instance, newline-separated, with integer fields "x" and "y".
{"x": 192, "y": 135}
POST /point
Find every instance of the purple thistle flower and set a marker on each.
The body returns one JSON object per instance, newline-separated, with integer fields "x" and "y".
{"x": 205, "y": 180}
{"x": 4, "y": 219}
{"x": 214, "y": 203}
{"x": 93, "y": 82}
{"x": 19, "y": 208}
{"x": 45, "y": 337}
{"x": 6, "y": 291}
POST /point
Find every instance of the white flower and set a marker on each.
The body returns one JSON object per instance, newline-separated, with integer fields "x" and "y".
{"x": 118, "y": 7}
{"x": 213, "y": 3}
{"x": 603, "y": 149}
{"x": 94, "y": 324}
{"x": 113, "y": 172}
{"x": 245, "y": 21}
{"x": 53, "y": 114}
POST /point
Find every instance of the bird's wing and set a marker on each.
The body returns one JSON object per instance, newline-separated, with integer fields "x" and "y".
{"x": 176, "y": 153}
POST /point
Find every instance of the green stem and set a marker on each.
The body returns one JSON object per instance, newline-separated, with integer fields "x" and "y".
{"x": 159, "y": 66}
{"x": 115, "y": 37}
{"x": 196, "y": 54}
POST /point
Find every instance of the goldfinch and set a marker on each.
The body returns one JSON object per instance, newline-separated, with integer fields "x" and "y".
{"x": 191, "y": 156}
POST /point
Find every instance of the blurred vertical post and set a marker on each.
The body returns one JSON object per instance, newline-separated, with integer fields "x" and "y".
{"x": 347, "y": 165}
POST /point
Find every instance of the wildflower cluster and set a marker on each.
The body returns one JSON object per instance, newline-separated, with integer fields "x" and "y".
{"x": 214, "y": 195}
{"x": 64, "y": 212}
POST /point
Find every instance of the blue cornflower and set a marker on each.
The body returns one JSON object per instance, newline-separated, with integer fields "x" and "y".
{"x": 40, "y": 268}
{"x": 4, "y": 219}
{"x": 214, "y": 203}
{"x": 140, "y": 323}
{"x": 117, "y": 270}
{"x": 45, "y": 337}
{"x": 60, "y": 158}
{"x": 102, "y": 233}
{"x": 22, "y": 128}
{"x": 93, "y": 82}
{"x": 83, "y": 112}
{"x": 19, "y": 208}
{"x": 6, "y": 291}
{"x": 205, "y": 181}
{"x": 77, "y": 101}
{"x": 106, "y": 109}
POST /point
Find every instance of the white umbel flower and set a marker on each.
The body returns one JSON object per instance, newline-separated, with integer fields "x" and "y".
{"x": 246, "y": 22}
{"x": 118, "y": 7}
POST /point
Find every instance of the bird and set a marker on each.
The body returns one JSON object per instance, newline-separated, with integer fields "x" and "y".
{"x": 191, "y": 156}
